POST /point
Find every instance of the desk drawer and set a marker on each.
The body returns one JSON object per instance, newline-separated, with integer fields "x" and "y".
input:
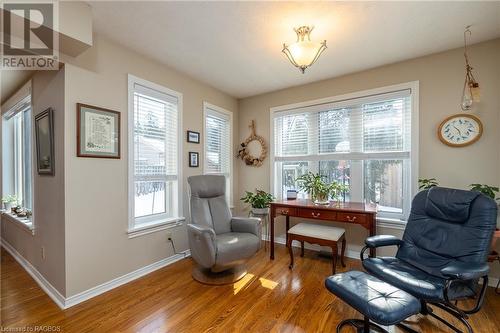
{"x": 317, "y": 214}
{"x": 352, "y": 218}
{"x": 287, "y": 211}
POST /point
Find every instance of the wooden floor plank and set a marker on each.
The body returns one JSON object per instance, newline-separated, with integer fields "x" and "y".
{"x": 271, "y": 298}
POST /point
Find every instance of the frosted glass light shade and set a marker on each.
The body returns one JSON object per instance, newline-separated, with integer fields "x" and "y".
{"x": 304, "y": 52}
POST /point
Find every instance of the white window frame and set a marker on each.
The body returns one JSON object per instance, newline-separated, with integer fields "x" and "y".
{"x": 414, "y": 152}
{"x": 159, "y": 222}
{"x": 206, "y": 110}
{"x": 25, "y": 91}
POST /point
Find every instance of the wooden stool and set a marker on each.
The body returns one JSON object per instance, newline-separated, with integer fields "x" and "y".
{"x": 317, "y": 234}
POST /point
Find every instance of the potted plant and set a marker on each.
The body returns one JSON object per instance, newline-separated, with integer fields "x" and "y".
{"x": 318, "y": 190}
{"x": 259, "y": 201}
{"x": 492, "y": 192}
{"x": 8, "y": 201}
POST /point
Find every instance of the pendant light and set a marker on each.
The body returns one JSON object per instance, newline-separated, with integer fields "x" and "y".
{"x": 471, "y": 92}
{"x": 304, "y": 52}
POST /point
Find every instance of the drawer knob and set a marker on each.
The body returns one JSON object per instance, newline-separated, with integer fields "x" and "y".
{"x": 351, "y": 219}
{"x": 314, "y": 214}
{"x": 284, "y": 212}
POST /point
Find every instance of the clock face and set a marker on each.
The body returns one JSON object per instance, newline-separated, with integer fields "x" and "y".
{"x": 460, "y": 130}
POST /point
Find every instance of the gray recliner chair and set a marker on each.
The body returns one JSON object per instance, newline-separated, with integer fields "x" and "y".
{"x": 219, "y": 242}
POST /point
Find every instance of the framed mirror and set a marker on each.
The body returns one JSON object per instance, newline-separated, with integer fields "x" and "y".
{"x": 44, "y": 131}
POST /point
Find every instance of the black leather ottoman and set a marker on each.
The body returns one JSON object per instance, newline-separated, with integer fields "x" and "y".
{"x": 376, "y": 300}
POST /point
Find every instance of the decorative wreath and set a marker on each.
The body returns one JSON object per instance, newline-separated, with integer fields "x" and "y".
{"x": 245, "y": 155}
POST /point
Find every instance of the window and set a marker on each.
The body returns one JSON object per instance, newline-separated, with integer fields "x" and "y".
{"x": 154, "y": 154}
{"x": 362, "y": 140}
{"x": 17, "y": 152}
{"x": 218, "y": 143}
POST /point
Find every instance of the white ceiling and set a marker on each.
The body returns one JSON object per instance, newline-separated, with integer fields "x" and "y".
{"x": 236, "y": 46}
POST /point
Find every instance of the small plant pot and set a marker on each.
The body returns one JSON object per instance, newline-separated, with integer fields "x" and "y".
{"x": 7, "y": 206}
{"x": 321, "y": 200}
{"x": 260, "y": 211}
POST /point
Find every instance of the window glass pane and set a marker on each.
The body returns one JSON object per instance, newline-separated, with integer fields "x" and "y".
{"x": 334, "y": 131}
{"x": 288, "y": 172}
{"x": 149, "y": 198}
{"x": 383, "y": 126}
{"x": 338, "y": 171}
{"x": 155, "y": 153}
{"x": 384, "y": 184}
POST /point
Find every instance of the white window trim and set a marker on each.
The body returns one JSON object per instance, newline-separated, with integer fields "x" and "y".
{"x": 207, "y": 106}
{"x": 162, "y": 223}
{"x": 414, "y": 152}
{"x": 22, "y": 93}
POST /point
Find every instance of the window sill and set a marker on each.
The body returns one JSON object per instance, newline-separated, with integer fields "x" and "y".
{"x": 24, "y": 223}
{"x": 148, "y": 228}
{"x": 385, "y": 222}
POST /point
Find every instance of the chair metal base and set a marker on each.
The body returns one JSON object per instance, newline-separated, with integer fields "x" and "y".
{"x": 366, "y": 326}
{"x": 206, "y": 276}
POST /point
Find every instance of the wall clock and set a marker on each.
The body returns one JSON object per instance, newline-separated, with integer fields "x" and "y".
{"x": 460, "y": 130}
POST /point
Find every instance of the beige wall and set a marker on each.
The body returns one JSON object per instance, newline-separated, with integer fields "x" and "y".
{"x": 441, "y": 79}
{"x": 97, "y": 246}
{"x": 48, "y": 194}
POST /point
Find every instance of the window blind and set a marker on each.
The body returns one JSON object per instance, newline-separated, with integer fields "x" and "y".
{"x": 360, "y": 127}
{"x": 217, "y": 142}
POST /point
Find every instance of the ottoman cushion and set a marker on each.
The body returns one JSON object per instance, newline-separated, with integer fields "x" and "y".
{"x": 382, "y": 303}
{"x": 317, "y": 231}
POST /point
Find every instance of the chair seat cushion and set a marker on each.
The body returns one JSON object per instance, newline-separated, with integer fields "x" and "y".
{"x": 317, "y": 231}
{"x": 375, "y": 299}
{"x": 415, "y": 281}
{"x": 235, "y": 246}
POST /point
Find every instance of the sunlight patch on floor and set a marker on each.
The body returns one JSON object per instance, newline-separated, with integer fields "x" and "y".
{"x": 242, "y": 283}
{"x": 268, "y": 283}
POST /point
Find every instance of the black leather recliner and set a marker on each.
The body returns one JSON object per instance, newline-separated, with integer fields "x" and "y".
{"x": 443, "y": 253}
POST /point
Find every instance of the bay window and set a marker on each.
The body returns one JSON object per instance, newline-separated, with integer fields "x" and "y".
{"x": 17, "y": 154}
{"x": 365, "y": 140}
{"x": 154, "y": 149}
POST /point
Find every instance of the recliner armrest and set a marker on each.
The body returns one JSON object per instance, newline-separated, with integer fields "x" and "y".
{"x": 382, "y": 240}
{"x": 202, "y": 244}
{"x": 246, "y": 224}
{"x": 465, "y": 271}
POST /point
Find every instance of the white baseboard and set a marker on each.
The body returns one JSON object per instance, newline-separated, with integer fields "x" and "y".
{"x": 354, "y": 254}
{"x": 66, "y": 302}
{"x": 49, "y": 289}
{"x": 107, "y": 286}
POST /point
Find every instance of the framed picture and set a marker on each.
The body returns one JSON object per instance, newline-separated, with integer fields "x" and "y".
{"x": 193, "y": 137}
{"x": 98, "y": 132}
{"x": 44, "y": 132}
{"x": 194, "y": 158}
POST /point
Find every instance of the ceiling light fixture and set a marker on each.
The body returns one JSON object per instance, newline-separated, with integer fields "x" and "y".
{"x": 304, "y": 52}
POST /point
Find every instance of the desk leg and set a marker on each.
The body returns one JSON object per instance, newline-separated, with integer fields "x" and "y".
{"x": 287, "y": 227}
{"x": 373, "y": 231}
{"x": 271, "y": 222}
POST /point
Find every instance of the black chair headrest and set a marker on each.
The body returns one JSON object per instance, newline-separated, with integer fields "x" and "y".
{"x": 449, "y": 204}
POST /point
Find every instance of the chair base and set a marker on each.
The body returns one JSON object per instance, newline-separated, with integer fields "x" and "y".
{"x": 206, "y": 276}
{"x": 366, "y": 326}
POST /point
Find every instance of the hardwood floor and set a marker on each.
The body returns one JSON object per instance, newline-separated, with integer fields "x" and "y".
{"x": 270, "y": 299}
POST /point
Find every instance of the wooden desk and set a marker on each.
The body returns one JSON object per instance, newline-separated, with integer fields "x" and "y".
{"x": 347, "y": 212}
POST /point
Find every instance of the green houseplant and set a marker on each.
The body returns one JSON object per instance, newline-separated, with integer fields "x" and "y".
{"x": 318, "y": 190}
{"x": 427, "y": 183}
{"x": 8, "y": 201}
{"x": 259, "y": 201}
{"x": 489, "y": 191}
